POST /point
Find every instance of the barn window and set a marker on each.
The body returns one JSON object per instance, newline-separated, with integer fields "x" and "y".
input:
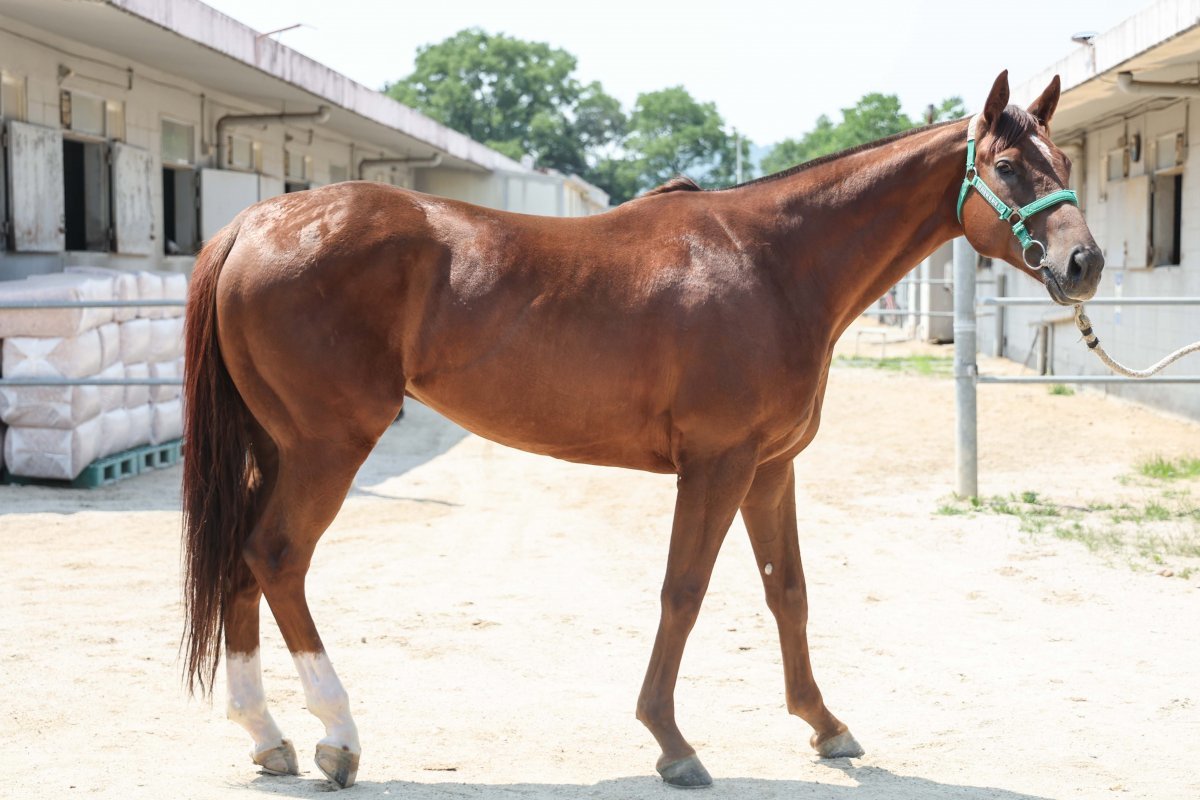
{"x": 179, "y": 189}
{"x": 297, "y": 170}
{"x": 86, "y": 191}
{"x": 1166, "y": 202}
{"x": 12, "y": 96}
{"x": 243, "y": 153}
{"x": 338, "y": 173}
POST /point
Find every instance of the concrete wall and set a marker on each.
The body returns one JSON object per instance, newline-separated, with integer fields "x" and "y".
{"x": 1137, "y": 336}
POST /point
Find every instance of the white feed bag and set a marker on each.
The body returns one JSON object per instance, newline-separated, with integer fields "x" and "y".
{"x": 167, "y": 423}
{"x": 50, "y": 452}
{"x": 62, "y": 357}
{"x": 48, "y": 406}
{"x": 166, "y": 339}
{"x": 125, "y": 286}
{"x": 110, "y": 344}
{"x": 135, "y": 340}
{"x": 140, "y": 422}
{"x": 2, "y": 431}
{"x": 116, "y": 432}
{"x": 112, "y": 396}
{"x": 137, "y": 395}
{"x": 150, "y": 287}
{"x": 175, "y": 287}
{"x": 166, "y": 369}
{"x": 55, "y": 321}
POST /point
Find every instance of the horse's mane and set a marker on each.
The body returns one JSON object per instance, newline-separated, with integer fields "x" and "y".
{"x": 680, "y": 183}
{"x": 1015, "y": 123}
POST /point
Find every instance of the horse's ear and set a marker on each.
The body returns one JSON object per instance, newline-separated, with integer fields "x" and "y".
{"x": 1043, "y": 108}
{"x": 996, "y": 101}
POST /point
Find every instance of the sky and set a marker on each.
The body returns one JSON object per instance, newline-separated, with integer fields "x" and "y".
{"x": 771, "y": 67}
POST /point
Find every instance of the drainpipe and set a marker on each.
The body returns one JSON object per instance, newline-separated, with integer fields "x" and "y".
{"x": 321, "y": 115}
{"x": 1157, "y": 88}
{"x": 411, "y": 163}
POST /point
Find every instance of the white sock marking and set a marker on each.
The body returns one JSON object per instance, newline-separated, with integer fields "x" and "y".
{"x": 327, "y": 700}
{"x": 247, "y": 704}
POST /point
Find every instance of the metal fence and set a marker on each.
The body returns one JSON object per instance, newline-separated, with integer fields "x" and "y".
{"x": 966, "y": 370}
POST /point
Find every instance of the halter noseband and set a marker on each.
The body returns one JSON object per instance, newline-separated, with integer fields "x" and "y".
{"x": 972, "y": 179}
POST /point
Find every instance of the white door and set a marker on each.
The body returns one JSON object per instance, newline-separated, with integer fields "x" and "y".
{"x": 223, "y": 195}
{"x": 35, "y": 188}
{"x": 269, "y": 187}
{"x": 133, "y": 208}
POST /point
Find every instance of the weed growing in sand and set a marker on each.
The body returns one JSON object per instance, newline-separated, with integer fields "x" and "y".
{"x": 1164, "y": 469}
{"x": 929, "y": 366}
{"x": 1160, "y": 533}
{"x": 1061, "y": 389}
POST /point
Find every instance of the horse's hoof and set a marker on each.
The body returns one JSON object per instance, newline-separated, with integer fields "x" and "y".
{"x": 844, "y": 745}
{"x": 278, "y": 760}
{"x": 687, "y": 773}
{"x": 338, "y": 764}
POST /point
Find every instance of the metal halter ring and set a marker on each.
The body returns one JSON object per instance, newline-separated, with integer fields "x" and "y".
{"x": 1025, "y": 254}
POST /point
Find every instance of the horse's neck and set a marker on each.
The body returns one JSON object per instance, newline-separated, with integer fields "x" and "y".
{"x": 854, "y": 226}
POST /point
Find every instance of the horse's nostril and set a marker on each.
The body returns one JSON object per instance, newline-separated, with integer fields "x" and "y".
{"x": 1077, "y": 264}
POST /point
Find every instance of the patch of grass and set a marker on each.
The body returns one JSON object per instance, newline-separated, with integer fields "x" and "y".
{"x": 1163, "y": 469}
{"x": 930, "y": 366}
{"x": 1162, "y": 531}
{"x": 1061, "y": 389}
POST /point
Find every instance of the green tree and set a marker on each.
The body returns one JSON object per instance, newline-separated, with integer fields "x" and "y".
{"x": 671, "y": 133}
{"x": 515, "y": 96}
{"x": 873, "y": 117}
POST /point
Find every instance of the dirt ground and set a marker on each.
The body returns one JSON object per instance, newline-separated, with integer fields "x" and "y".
{"x": 492, "y": 612}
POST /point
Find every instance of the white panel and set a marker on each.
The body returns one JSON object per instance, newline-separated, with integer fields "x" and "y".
{"x": 223, "y": 195}
{"x": 269, "y": 187}
{"x": 133, "y": 208}
{"x": 35, "y": 183}
{"x": 1126, "y": 237}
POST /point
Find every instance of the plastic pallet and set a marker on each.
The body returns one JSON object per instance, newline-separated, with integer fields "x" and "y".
{"x": 111, "y": 469}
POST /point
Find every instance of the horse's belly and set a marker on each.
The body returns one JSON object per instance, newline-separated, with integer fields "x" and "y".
{"x": 606, "y": 431}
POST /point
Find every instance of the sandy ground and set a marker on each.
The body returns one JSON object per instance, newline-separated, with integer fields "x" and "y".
{"x": 491, "y": 614}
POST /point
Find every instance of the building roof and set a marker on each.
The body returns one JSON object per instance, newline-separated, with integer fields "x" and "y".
{"x": 189, "y": 38}
{"x": 1159, "y": 43}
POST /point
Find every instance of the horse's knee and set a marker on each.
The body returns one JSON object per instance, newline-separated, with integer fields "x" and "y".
{"x": 682, "y": 603}
{"x": 789, "y": 602}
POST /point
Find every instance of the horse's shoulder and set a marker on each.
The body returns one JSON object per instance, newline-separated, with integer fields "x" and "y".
{"x": 680, "y": 183}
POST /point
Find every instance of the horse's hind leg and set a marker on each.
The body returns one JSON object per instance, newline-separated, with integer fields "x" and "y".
{"x": 312, "y": 483}
{"x": 247, "y": 704}
{"x": 769, "y": 512}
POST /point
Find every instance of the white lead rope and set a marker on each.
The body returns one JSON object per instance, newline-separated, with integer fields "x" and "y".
{"x": 1093, "y": 342}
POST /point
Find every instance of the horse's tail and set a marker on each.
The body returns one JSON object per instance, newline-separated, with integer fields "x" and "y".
{"x": 218, "y": 472}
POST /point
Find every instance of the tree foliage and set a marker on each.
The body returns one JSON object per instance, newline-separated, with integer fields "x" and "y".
{"x": 873, "y": 117}
{"x": 515, "y": 96}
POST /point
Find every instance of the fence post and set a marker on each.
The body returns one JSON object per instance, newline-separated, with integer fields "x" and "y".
{"x": 965, "y": 370}
{"x": 998, "y": 344}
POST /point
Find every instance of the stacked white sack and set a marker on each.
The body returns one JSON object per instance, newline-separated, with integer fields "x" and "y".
{"x": 125, "y": 285}
{"x": 3, "y": 428}
{"x": 55, "y": 321}
{"x": 165, "y": 359}
{"x": 50, "y": 452}
{"x": 56, "y": 430}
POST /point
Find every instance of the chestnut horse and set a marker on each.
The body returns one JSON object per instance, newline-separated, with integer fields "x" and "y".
{"x": 686, "y": 332}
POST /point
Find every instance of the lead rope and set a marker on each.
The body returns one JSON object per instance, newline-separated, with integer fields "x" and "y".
{"x": 1093, "y": 342}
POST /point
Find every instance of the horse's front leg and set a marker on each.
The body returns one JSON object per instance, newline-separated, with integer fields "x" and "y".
{"x": 708, "y": 496}
{"x": 769, "y": 512}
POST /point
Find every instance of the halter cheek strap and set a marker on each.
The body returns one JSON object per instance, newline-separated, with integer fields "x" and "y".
{"x": 1006, "y": 212}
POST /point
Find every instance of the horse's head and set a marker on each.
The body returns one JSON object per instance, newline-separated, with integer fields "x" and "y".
{"x": 1030, "y": 218}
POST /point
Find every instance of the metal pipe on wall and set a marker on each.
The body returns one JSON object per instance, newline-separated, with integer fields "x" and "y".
{"x": 411, "y": 163}
{"x": 321, "y": 115}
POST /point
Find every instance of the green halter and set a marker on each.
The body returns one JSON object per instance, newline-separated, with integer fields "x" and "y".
{"x": 1021, "y": 214}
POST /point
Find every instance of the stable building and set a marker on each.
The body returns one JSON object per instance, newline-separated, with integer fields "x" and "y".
{"x": 135, "y": 129}
{"x": 1130, "y": 101}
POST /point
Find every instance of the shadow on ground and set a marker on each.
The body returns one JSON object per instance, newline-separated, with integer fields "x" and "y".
{"x": 873, "y": 783}
{"x": 420, "y": 436}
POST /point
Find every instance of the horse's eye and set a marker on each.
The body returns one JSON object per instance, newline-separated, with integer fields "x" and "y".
{"x": 1004, "y": 167}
